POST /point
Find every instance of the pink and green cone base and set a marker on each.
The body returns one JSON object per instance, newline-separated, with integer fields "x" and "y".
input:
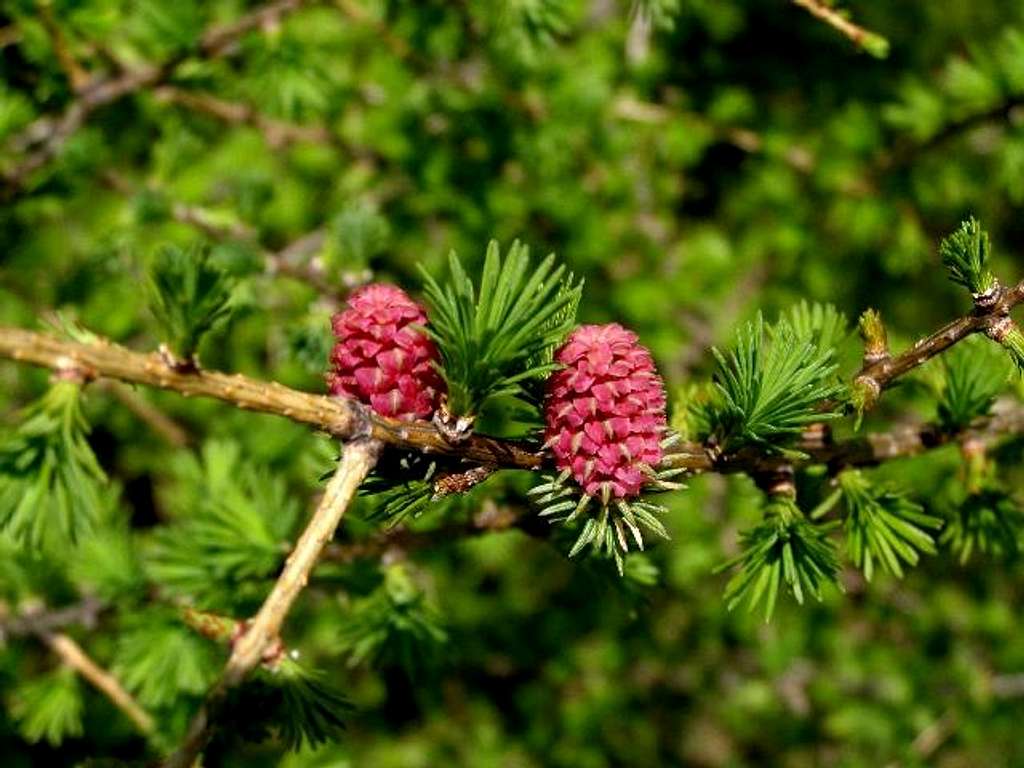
{"x": 606, "y": 427}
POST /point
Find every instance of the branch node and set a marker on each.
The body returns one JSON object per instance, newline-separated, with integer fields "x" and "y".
{"x": 69, "y": 369}
{"x": 999, "y": 328}
{"x": 865, "y": 392}
{"x": 453, "y": 429}
{"x": 175, "y": 363}
{"x": 219, "y": 629}
{"x": 778, "y": 481}
{"x": 817, "y": 436}
{"x": 987, "y": 299}
{"x": 876, "y": 340}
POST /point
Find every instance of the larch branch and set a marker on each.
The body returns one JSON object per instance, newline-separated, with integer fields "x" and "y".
{"x": 347, "y": 419}
{"x": 46, "y": 624}
{"x": 39, "y": 619}
{"x": 71, "y": 653}
{"x": 342, "y": 418}
{"x": 260, "y": 643}
{"x": 856, "y": 34}
{"x": 76, "y": 75}
{"x": 883, "y": 372}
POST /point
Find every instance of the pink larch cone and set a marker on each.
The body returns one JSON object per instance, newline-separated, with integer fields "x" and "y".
{"x": 605, "y": 411}
{"x": 380, "y": 359}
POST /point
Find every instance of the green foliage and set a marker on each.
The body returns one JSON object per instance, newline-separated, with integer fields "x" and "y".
{"x": 607, "y": 531}
{"x": 773, "y": 383}
{"x": 360, "y": 234}
{"x": 311, "y": 710}
{"x": 875, "y": 44}
{"x": 394, "y": 625}
{"x": 526, "y": 29}
{"x": 15, "y": 112}
{"x": 785, "y": 550}
{"x": 400, "y": 490}
{"x": 640, "y": 572}
{"x": 106, "y": 562}
{"x": 970, "y": 84}
{"x": 966, "y": 254}
{"x": 189, "y": 296}
{"x": 610, "y": 527}
{"x": 395, "y": 503}
{"x": 298, "y": 87}
{"x": 493, "y": 342}
{"x": 883, "y": 526}
{"x": 694, "y": 162}
{"x": 310, "y": 343}
{"x": 403, "y": 486}
{"x": 49, "y": 477}
{"x": 169, "y": 27}
{"x": 1013, "y": 343}
{"x": 159, "y": 659}
{"x": 63, "y": 325}
{"x": 974, "y": 373}
{"x": 230, "y": 532}
{"x": 661, "y": 13}
{"x": 640, "y": 575}
{"x": 298, "y": 705}
{"x": 822, "y": 324}
{"x": 49, "y": 707}
{"x": 569, "y": 292}
{"x": 989, "y": 521}
{"x": 693, "y": 411}
{"x": 15, "y": 570}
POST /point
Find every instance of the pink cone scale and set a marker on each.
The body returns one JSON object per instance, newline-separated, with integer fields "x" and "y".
{"x": 380, "y": 358}
{"x": 605, "y": 411}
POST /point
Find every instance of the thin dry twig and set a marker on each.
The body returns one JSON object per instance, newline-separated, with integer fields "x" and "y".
{"x": 221, "y": 40}
{"x": 167, "y": 428}
{"x": 904, "y": 153}
{"x": 75, "y": 73}
{"x": 1008, "y": 686}
{"x": 928, "y": 741}
{"x": 43, "y": 139}
{"x": 72, "y": 654}
{"x": 277, "y": 133}
{"x": 631, "y": 109}
{"x": 295, "y": 260}
{"x": 261, "y": 643}
{"x": 38, "y": 619}
{"x": 356, "y": 12}
{"x": 856, "y": 34}
{"x": 46, "y": 624}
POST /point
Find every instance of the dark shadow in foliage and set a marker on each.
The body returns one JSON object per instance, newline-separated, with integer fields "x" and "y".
{"x": 288, "y": 702}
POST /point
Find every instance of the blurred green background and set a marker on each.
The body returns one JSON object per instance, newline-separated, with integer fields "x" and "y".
{"x": 695, "y": 161}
